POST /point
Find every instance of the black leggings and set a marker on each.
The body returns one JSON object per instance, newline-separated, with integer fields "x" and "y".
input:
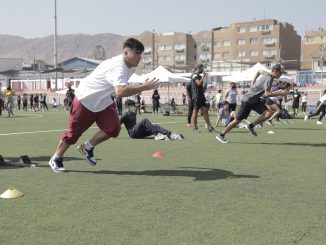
{"x": 317, "y": 112}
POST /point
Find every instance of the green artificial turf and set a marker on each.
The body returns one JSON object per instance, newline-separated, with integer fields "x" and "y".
{"x": 268, "y": 189}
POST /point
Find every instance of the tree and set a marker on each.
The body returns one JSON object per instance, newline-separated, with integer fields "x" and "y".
{"x": 99, "y": 52}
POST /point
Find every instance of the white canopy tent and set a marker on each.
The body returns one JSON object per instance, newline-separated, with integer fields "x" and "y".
{"x": 165, "y": 76}
{"x": 247, "y": 75}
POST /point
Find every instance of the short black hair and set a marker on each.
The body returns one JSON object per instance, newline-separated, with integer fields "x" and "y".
{"x": 133, "y": 43}
{"x": 129, "y": 102}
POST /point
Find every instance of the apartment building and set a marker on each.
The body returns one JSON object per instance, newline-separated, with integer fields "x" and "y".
{"x": 175, "y": 50}
{"x": 265, "y": 41}
{"x": 314, "y": 44}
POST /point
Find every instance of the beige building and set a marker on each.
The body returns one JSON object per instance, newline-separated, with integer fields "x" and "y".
{"x": 266, "y": 41}
{"x": 175, "y": 50}
{"x": 314, "y": 44}
{"x": 232, "y": 48}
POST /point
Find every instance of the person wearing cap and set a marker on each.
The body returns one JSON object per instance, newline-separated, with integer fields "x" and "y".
{"x": 252, "y": 101}
{"x": 93, "y": 103}
{"x": 198, "y": 98}
{"x": 144, "y": 128}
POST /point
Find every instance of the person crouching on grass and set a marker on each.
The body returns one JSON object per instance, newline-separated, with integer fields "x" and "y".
{"x": 144, "y": 128}
{"x": 93, "y": 103}
{"x": 252, "y": 101}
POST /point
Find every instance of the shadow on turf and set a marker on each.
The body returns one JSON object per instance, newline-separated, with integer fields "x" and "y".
{"x": 197, "y": 173}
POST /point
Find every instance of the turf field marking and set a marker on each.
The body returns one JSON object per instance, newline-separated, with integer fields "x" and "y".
{"x": 61, "y": 130}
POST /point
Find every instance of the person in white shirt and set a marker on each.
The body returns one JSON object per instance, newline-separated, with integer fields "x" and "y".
{"x": 231, "y": 96}
{"x": 93, "y": 103}
{"x": 321, "y": 109}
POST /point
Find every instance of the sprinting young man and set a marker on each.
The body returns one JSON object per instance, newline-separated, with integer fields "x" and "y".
{"x": 93, "y": 103}
{"x": 144, "y": 128}
{"x": 252, "y": 101}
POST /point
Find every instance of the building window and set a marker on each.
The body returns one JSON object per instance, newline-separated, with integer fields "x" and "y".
{"x": 269, "y": 53}
{"x": 254, "y": 40}
{"x": 164, "y": 47}
{"x": 253, "y": 28}
{"x": 310, "y": 39}
{"x": 254, "y": 53}
{"x": 147, "y": 50}
{"x": 226, "y": 43}
{"x": 266, "y": 28}
{"x": 203, "y": 57}
{"x": 164, "y": 58}
{"x": 269, "y": 40}
{"x": 179, "y": 57}
{"x": 147, "y": 59}
{"x": 217, "y": 56}
{"x": 179, "y": 47}
{"x": 241, "y": 42}
{"x": 217, "y": 44}
{"x": 225, "y": 55}
{"x": 241, "y": 53}
{"x": 241, "y": 29}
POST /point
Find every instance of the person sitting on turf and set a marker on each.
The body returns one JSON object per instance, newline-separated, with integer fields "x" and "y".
{"x": 144, "y": 128}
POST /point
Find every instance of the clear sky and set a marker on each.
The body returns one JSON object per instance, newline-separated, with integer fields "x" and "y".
{"x": 35, "y": 18}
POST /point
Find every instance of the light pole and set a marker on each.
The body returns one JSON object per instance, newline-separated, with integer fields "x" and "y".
{"x": 322, "y": 53}
{"x": 55, "y": 45}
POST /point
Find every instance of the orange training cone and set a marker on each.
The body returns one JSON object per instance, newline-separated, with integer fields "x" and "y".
{"x": 158, "y": 154}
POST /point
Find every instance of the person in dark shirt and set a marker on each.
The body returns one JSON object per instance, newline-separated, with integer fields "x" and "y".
{"x": 144, "y": 128}
{"x": 198, "y": 98}
{"x": 296, "y": 102}
{"x": 70, "y": 95}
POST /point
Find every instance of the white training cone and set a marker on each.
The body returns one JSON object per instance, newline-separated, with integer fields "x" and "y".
{"x": 11, "y": 193}
{"x": 270, "y": 132}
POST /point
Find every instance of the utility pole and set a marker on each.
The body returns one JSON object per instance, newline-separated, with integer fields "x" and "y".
{"x": 322, "y": 54}
{"x": 55, "y": 45}
{"x": 153, "y": 48}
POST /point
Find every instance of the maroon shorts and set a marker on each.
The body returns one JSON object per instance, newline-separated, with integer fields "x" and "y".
{"x": 80, "y": 119}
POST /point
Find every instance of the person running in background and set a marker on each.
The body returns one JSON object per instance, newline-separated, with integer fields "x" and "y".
{"x": 321, "y": 107}
{"x": 156, "y": 102}
{"x": 252, "y": 101}
{"x": 144, "y": 128}
{"x": 93, "y": 103}
{"x": 271, "y": 102}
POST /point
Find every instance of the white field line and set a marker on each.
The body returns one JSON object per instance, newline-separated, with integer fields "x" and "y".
{"x": 61, "y": 130}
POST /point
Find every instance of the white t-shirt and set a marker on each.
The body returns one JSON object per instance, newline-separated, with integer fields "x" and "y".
{"x": 95, "y": 90}
{"x": 323, "y": 99}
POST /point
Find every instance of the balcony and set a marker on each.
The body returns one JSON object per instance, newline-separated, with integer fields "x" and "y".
{"x": 269, "y": 56}
{"x": 179, "y": 61}
{"x": 265, "y": 31}
{"x": 204, "y": 48}
{"x": 147, "y": 62}
{"x": 147, "y": 51}
{"x": 179, "y": 50}
{"x": 270, "y": 44}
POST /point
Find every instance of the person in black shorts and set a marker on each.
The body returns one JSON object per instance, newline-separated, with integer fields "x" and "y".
{"x": 198, "y": 98}
{"x": 252, "y": 101}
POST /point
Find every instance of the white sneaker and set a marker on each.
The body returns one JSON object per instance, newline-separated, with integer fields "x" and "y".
{"x": 160, "y": 136}
{"x": 56, "y": 165}
{"x": 174, "y": 136}
{"x": 305, "y": 118}
{"x": 319, "y": 123}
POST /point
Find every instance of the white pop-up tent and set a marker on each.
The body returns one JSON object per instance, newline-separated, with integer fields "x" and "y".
{"x": 247, "y": 75}
{"x": 165, "y": 76}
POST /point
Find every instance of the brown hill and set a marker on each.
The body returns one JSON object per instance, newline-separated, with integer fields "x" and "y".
{"x": 69, "y": 46}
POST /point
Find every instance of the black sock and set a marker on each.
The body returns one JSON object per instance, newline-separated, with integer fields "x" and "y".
{"x": 251, "y": 125}
{"x": 222, "y": 134}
